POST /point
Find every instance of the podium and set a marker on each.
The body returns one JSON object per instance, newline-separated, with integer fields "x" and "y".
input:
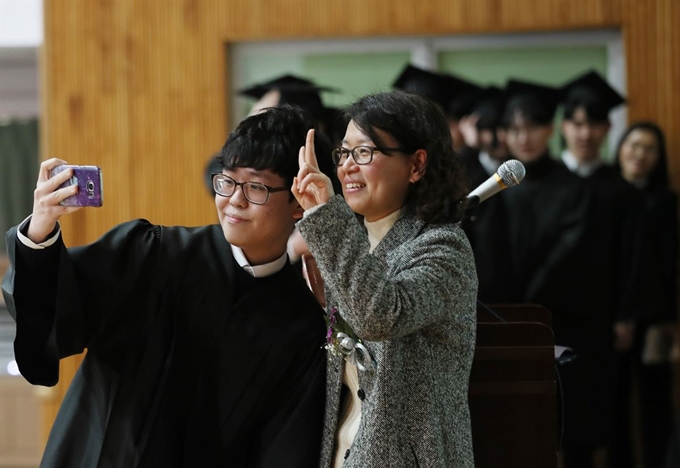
{"x": 513, "y": 395}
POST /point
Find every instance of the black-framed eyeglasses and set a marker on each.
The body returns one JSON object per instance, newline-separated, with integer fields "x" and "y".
{"x": 361, "y": 154}
{"x": 254, "y": 192}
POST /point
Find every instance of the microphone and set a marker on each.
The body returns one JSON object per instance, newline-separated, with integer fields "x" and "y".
{"x": 509, "y": 174}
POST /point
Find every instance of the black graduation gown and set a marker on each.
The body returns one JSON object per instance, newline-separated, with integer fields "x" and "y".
{"x": 605, "y": 293}
{"x": 550, "y": 220}
{"x": 614, "y": 222}
{"x": 547, "y": 219}
{"x": 190, "y": 361}
{"x": 656, "y": 302}
{"x": 486, "y": 228}
{"x": 658, "y": 253}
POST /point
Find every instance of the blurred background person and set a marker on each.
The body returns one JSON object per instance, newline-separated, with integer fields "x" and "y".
{"x": 484, "y": 224}
{"x": 460, "y": 91}
{"x": 547, "y": 223}
{"x": 642, "y": 161}
{"x": 588, "y": 100}
{"x": 447, "y": 91}
{"x": 486, "y": 116}
{"x": 606, "y": 290}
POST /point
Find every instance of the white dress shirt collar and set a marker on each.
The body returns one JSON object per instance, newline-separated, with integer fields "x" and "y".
{"x": 259, "y": 271}
{"x": 581, "y": 169}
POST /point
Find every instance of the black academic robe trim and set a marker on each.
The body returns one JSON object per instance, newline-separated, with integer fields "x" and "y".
{"x": 183, "y": 368}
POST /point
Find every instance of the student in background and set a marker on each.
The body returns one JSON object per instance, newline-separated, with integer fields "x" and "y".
{"x": 548, "y": 220}
{"x": 588, "y": 100}
{"x": 485, "y": 224}
{"x": 642, "y": 161}
{"x": 609, "y": 260}
{"x": 447, "y": 91}
{"x": 546, "y": 212}
{"x": 460, "y": 91}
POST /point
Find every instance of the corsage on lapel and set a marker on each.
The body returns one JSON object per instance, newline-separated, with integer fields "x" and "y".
{"x": 342, "y": 341}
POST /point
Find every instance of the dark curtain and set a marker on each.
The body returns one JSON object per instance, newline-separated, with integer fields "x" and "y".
{"x": 19, "y": 161}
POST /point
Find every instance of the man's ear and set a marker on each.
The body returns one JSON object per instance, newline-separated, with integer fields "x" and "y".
{"x": 419, "y": 161}
{"x": 298, "y": 211}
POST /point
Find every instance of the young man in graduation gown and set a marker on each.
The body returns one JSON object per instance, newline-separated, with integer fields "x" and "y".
{"x": 547, "y": 211}
{"x": 614, "y": 214}
{"x": 203, "y": 344}
{"x": 548, "y": 220}
{"x": 608, "y": 262}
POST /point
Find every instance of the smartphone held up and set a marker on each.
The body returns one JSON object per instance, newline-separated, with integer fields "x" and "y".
{"x": 89, "y": 182}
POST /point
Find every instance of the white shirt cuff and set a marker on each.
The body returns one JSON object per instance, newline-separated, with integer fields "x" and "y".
{"x": 29, "y": 243}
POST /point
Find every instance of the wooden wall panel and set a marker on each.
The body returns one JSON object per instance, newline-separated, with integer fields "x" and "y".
{"x": 20, "y": 446}
{"x": 140, "y": 86}
{"x": 652, "y": 44}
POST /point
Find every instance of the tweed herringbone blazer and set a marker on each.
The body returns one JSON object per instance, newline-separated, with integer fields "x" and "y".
{"x": 413, "y": 302}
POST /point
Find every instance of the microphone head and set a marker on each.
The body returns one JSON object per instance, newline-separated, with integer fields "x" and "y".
{"x": 511, "y": 172}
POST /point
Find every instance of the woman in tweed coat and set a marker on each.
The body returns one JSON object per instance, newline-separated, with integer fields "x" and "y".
{"x": 403, "y": 279}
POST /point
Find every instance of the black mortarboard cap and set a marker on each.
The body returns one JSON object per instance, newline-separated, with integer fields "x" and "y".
{"x": 460, "y": 94}
{"x": 591, "y": 86}
{"x": 295, "y": 91}
{"x": 287, "y": 83}
{"x": 488, "y": 105}
{"x": 536, "y": 95}
{"x": 427, "y": 84}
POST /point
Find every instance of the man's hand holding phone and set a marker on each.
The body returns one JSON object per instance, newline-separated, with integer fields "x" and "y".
{"x": 49, "y": 196}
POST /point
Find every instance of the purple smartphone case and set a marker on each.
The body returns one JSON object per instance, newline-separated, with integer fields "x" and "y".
{"x": 90, "y": 189}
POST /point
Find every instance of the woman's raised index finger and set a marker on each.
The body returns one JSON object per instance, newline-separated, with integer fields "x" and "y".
{"x": 310, "y": 154}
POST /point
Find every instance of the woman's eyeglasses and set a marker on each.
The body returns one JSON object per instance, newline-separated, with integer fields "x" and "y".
{"x": 361, "y": 154}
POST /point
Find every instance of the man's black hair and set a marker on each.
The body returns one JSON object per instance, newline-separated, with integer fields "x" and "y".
{"x": 595, "y": 109}
{"x": 271, "y": 140}
{"x": 593, "y": 94}
{"x": 534, "y": 102}
{"x": 531, "y": 108}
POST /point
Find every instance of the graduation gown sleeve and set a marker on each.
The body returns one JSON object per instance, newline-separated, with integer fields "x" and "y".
{"x": 66, "y": 301}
